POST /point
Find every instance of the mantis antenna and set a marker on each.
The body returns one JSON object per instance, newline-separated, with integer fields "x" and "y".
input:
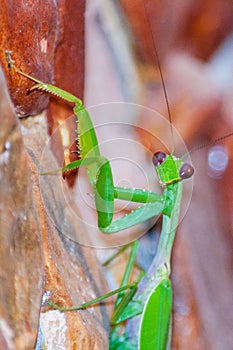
{"x": 161, "y": 76}
{"x": 206, "y": 144}
{"x": 219, "y": 139}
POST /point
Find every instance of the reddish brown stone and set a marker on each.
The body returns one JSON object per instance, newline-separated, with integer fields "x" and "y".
{"x": 34, "y": 32}
{"x": 21, "y": 265}
{"x": 29, "y": 29}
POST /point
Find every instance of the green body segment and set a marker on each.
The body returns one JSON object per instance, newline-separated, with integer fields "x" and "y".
{"x": 54, "y": 90}
{"x": 104, "y": 196}
{"x": 136, "y": 195}
{"x": 154, "y": 328}
{"x": 87, "y": 141}
{"x": 99, "y": 172}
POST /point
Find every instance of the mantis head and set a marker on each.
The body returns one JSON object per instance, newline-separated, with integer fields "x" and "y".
{"x": 171, "y": 169}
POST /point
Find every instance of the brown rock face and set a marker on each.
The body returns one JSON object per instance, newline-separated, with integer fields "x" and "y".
{"x": 36, "y": 258}
{"x": 29, "y": 29}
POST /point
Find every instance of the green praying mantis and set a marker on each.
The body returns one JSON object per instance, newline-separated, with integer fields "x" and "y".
{"x": 100, "y": 174}
{"x": 154, "y": 294}
{"x": 147, "y": 302}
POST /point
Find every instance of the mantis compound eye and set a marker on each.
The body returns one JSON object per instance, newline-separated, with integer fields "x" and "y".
{"x": 186, "y": 171}
{"x": 158, "y": 158}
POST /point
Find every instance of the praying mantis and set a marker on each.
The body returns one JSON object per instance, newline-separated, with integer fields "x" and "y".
{"x": 100, "y": 174}
{"x": 154, "y": 291}
{"x": 171, "y": 171}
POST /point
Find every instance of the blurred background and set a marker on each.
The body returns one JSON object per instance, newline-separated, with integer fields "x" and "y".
{"x": 194, "y": 42}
